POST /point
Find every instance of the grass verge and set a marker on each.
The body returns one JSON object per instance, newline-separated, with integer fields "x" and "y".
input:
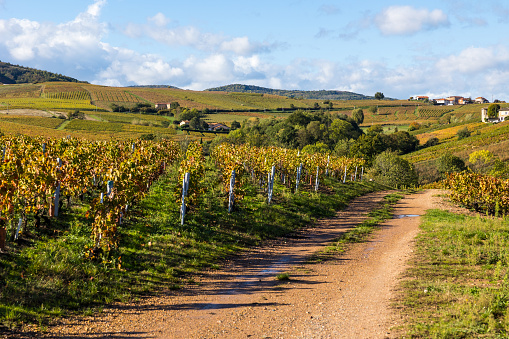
{"x": 458, "y": 285}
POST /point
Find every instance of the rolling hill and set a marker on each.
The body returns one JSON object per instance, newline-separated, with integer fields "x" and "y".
{"x": 14, "y": 74}
{"x": 318, "y": 95}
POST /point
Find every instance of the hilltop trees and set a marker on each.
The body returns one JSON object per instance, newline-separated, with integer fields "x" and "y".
{"x": 379, "y": 96}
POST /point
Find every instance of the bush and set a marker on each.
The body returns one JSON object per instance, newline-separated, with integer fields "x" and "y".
{"x": 463, "y": 133}
{"x": 414, "y": 126}
{"x": 449, "y": 163}
{"x": 433, "y": 141}
{"x": 392, "y": 170}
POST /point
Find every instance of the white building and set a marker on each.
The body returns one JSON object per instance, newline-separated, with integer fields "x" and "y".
{"x": 503, "y": 115}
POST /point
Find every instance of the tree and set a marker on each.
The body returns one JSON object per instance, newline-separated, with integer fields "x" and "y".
{"x": 375, "y": 129}
{"x": 235, "y": 124}
{"x": 358, "y": 116}
{"x": 316, "y": 105}
{"x": 414, "y": 126}
{"x": 379, "y": 96}
{"x": 449, "y": 163}
{"x": 402, "y": 142}
{"x": 493, "y": 111}
{"x": 391, "y": 170}
{"x": 341, "y": 129}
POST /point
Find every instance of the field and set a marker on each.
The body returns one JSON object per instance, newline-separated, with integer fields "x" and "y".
{"x": 484, "y": 136}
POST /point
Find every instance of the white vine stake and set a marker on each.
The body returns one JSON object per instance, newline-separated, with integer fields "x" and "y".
{"x": 231, "y": 198}
{"x": 317, "y": 182}
{"x": 362, "y": 173}
{"x": 299, "y": 171}
{"x": 344, "y": 178}
{"x": 185, "y": 187}
{"x": 355, "y": 176}
{"x": 271, "y": 182}
{"x": 57, "y": 190}
{"x": 20, "y": 222}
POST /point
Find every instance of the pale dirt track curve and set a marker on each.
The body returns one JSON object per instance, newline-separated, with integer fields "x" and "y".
{"x": 348, "y": 296}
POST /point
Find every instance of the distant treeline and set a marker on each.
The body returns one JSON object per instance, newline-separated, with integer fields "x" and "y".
{"x": 318, "y": 95}
{"x": 14, "y": 74}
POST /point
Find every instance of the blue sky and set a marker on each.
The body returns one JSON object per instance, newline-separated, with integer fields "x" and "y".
{"x": 401, "y": 48}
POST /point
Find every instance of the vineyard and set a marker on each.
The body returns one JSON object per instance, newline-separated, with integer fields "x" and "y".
{"x": 36, "y": 174}
{"x": 46, "y": 104}
{"x": 482, "y": 193}
{"x": 112, "y": 94}
{"x": 33, "y": 121}
{"x": 486, "y": 136}
{"x": 20, "y": 91}
{"x": 433, "y": 111}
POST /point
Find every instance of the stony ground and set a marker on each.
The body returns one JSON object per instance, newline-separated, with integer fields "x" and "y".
{"x": 346, "y": 296}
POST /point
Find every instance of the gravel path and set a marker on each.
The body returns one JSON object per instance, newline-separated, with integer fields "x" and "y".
{"x": 346, "y": 296}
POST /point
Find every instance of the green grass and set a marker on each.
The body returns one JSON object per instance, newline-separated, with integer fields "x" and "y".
{"x": 458, "y": 284}
{"x": 46, "y": 273}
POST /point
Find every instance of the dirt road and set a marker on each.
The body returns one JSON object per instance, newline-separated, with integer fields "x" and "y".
{"x": 347, "y": 296}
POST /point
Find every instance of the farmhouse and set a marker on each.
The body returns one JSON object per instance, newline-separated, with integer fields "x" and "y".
{"x": 160, "y": 106}
{"x": 421, "y": 97}
{"x": 481, "y": 100}
{"x": 503, "y": 115}
{"x": 184, "y": 123}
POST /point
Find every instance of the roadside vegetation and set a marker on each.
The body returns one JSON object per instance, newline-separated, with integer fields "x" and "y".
{"x": 458, "y": 282}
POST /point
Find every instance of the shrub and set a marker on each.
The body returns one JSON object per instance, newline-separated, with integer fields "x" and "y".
{"x": 463, "y": 133}
{"x": 414, "y": 126}
{"x": 392, "y": 170}
{"x": 449, "y": 163}
{"x": 433, "y": 141}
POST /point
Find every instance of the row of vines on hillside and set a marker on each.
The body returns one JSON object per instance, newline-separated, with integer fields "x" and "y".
{"x": 479, "y": 192}
{"x": 35, "y": 172}
{"x": 257, "y": 162}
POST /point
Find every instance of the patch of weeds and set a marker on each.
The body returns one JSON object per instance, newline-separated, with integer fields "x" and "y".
{"x": 283, "y": 277}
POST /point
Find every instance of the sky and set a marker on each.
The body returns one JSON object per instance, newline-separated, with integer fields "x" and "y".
{"x": 401, "y": 48}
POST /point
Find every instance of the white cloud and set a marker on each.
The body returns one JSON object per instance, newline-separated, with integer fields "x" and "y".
{"x": 128, "y": 67}
{"x": 27, "y": 40}
{"x": 329, "y": 9}
{"x": 406, "y": 20}
{"x": 190, "y": 36}
{"x": 474, "y": 60}
{"x": 159, "y": 20}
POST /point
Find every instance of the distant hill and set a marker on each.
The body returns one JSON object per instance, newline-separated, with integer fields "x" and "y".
{"x": 318, "y": 95}
{"x": 154, "y": 86}
{"x": 14, "y": 74}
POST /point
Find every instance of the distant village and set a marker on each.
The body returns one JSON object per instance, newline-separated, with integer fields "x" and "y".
{"x": 503, "y": 113}
{"x": 453, "y": 100}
